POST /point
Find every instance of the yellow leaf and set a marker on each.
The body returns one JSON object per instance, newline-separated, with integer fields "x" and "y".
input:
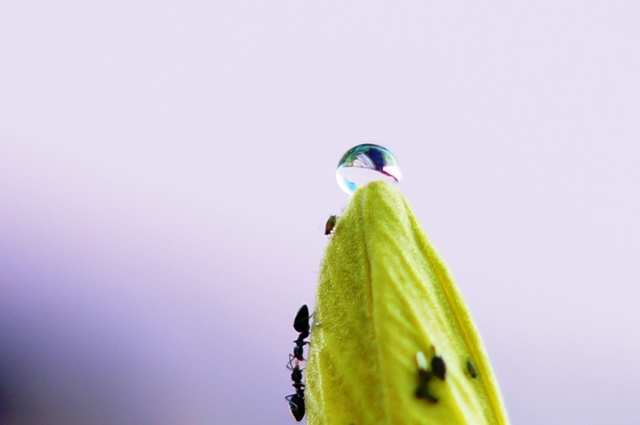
{"x": 384, "y": 296}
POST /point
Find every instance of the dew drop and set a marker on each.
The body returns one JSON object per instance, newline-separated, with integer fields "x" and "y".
{"x": 365, "y": 163}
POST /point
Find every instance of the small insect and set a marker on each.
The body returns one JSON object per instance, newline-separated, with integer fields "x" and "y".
{"x": 301, "y": 325}
{"x": 438, "y": 370}
{"x": 438, "y": 367}
{"x": 331, "y": 223}
{"x": 424, "y": 377}
{"x": 296, "y": 400}
{"x": 471, "y": 369}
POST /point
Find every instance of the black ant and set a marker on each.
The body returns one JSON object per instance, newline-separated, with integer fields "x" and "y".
{"x": 438, "y": 370}
{"x": 296, "y": 400}
{"x": 301, "y": 325}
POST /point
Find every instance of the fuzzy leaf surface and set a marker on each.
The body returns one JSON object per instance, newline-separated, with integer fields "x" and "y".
{"x": 383, "y": 296}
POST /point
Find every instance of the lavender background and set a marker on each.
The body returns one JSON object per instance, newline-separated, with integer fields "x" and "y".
{"x": 166, "y": 169}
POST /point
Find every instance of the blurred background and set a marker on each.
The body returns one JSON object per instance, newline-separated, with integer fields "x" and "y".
{"x": 166, "y": 170}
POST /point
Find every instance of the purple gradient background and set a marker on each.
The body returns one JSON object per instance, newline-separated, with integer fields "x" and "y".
{"x": 166, "y": 170}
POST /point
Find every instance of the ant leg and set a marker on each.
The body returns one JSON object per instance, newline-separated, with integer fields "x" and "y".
{"x": 290, "y": 365}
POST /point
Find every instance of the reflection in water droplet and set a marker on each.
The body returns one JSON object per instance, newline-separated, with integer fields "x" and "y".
{"x": 365, "y": 163}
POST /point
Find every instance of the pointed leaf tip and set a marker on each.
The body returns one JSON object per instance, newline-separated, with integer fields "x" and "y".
{"x": 384, "y": 296}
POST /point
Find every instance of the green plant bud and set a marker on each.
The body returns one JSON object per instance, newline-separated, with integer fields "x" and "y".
{"x": 384, "y": 296}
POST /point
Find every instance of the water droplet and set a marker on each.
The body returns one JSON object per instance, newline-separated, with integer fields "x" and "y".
{"x": 365, "y": 163}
